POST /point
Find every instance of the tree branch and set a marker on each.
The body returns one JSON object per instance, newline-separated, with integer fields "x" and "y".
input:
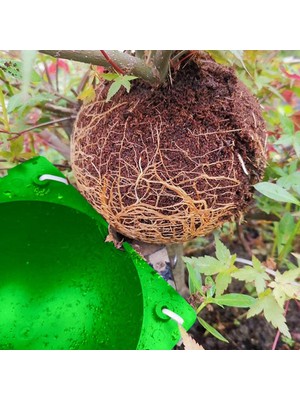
{"x": 161, "y": 61}
{"x": 129, "y": 64}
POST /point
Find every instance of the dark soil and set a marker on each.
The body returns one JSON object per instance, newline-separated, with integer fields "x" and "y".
{"x": 190, "y": 133}
{"x": 245, "y": 334}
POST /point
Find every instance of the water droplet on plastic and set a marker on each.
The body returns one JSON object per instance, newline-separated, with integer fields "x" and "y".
{"x": 8, "y": 194}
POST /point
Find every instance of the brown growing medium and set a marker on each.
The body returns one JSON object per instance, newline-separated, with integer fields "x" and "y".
{"x": 169, "y": 164}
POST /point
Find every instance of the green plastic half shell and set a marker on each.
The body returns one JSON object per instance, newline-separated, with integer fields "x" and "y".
{"x": 62, "y": 286}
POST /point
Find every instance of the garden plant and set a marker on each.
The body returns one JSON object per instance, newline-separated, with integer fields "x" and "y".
{"x": 196, "y": 152}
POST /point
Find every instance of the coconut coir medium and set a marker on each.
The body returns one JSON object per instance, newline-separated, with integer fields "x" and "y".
{"x": 168, "y": 164}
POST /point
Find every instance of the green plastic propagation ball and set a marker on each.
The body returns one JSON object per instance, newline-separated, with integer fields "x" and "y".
{"x": 62, "y": 286}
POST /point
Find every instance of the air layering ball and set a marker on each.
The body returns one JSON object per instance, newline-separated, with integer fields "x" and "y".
{"x": 168, "y": 164}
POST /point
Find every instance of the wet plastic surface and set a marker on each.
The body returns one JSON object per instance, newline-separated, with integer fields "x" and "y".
{"x": 62, "y": 286}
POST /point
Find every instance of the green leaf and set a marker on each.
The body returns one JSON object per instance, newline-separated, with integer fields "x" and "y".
{"x": 285, "y": 140}
{"x": 126, "y": 84}
{"x": 222, "y": 253}
{"x": 22, "y": 101}
{"x": 212, "y": 286}
{"x": 284, "y": 286}
{"x": 28, "y": 58}
{"x": 11, "y": 67}
{"x": 114, "y": 88}
{"x": 235, "y": 300}
{"x": 290, "y": 181}
{"x": 276, "y": 192}
{"x": 206, "y": 265}
{"x": 87, "y": 95}
{"x": 255, "y": 274}
{"x": 119, "y": 80}
{"x": 284, "y": 234}
{"x": 286, "y": 124}
{"x": 16, "y": 146}
{"x": 109, "y": 76}
{"x": 16, "y": 101}
{"x": 195, "y": 281}
{"x": 273, "y": 313}
{"x": 296, "y": 144}
{"x": 223, "y": 280}
{"x": 210, "y": 265}
{"x": 212, "y": 330}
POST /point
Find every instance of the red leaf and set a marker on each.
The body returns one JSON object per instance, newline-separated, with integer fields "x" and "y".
{"x": 288, "y": 96}
{"x": 61, "y": 64}
{"x": 100, "y": 69}
{"x": 291, "y": 76}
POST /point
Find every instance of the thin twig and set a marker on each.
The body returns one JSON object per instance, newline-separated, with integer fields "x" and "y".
{"x": 48, "y": 75}
{"x": 56, "y": 75}
{"x": 278, "y": 331}
{"x": 112, "y": 63}
{"x": 83, "y": 81}
{"x": 17, "y": 134}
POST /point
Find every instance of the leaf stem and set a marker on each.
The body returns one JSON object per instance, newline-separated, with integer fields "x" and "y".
{"x": 278, "y": 331}
{"x": 112, "y": 63}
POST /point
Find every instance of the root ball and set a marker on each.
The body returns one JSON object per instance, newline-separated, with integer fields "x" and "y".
{"x": 168, "y": 164}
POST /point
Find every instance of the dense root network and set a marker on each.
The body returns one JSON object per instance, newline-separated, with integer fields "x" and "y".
{"x": 170, "y": 164}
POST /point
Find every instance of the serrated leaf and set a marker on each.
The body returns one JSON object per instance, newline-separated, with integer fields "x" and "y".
{"x": 235, "y": 300}
{"x": 206, "y": 265}
{"x": 188, "y": 342}
{"x": 272, "y": 312}
{"x": 212, "y": 330}
{"x": 276, "y": 192}
{"x": 223, "y": 280}
{"x": 210, "y": 265}
{"x": 222, "y": 253}
{"x": 284, "y": 286}
{"x": 289, "y": 276}
{"x": 255, "y": 274}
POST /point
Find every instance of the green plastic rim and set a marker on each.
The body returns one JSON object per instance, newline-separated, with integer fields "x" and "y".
{"x": 62, "y": 286}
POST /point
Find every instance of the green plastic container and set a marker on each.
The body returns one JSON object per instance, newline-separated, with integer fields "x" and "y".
{"x": 62, "y": 286}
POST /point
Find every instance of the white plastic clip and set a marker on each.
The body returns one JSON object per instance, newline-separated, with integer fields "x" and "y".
{"x": 49, "y": 177}
{"x": 173, "y": 316}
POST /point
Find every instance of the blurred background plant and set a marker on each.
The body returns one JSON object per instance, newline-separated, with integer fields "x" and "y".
{"x": 39, "y": 99}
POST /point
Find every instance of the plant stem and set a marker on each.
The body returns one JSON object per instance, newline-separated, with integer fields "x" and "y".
{"x": 161, "y": 61}
{"x": 129, "y": 64}
{"x": 4, "y": 111}
{"x": 278, "y": 331}
{"x": 56, "y": 121}
{"x": 175, "y": 253}
{"x": 113, "y": 64}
